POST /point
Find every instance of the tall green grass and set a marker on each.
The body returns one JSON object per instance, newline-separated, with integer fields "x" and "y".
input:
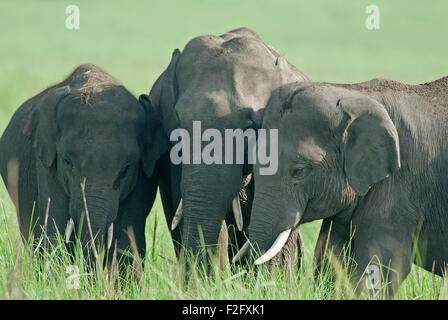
{"x": 133, "y": 41}
{"x": 26, "y": 274}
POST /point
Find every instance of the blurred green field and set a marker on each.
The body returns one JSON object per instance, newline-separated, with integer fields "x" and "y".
{"x": 133, "y": 41}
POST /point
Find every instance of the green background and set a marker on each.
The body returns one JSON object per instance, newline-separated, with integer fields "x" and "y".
{"x": 133, "y": 41}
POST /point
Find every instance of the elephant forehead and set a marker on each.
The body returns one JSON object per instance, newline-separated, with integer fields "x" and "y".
{"x": 217, "y": 77}
{"x": 98, "y": 133}
{"x": 201, "y": 104}
{"x": 215, "y": 109}
{"x": 225, "y": 82}
{"x": 99, "y": 130}
{"x": 113, "y": 110}
{"x": 232, "y": 44}
{"x": 310, "y": 110}
{"x": 310, "y": 149}
{"x": 93, "y": 148}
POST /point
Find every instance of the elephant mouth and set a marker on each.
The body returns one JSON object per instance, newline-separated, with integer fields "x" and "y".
{"x": 277, "y": 245}
{"x": 273, "y": 251}
{"x": 236, "y": 206}
{"x": 71, "y": 227}
{"x": 283, "y": 236}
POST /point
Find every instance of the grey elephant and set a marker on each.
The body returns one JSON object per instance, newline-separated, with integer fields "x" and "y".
{"x": 224, "y": 82}
{"x": 86, "y": 130}
{"x": 371, "y": 159}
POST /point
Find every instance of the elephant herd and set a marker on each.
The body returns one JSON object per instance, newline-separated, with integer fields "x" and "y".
{"x": 84, "y": 157}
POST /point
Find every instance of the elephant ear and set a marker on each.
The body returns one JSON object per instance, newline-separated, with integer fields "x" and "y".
{"x": 42, "y": 128}
{"x": 160, "y": 115}
{"x": 155, "y": 140}
{"x": 165, "y": 104}
{"x": 370, "y": 143}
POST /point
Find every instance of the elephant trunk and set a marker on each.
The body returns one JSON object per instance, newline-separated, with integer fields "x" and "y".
{"x": 93, "y": 213}
{"x": 262, "y": 222}
{"x": 207, "y": 193}
{"x": 273, "y": 224}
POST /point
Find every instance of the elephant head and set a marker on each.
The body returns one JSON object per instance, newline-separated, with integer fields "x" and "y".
{"x": 86, "y": 133}
{"x": 222, "y": 82}
{"x": 334, "y": 145}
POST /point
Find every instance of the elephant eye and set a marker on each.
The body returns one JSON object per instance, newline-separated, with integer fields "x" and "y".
{"x": 123, "y": 173}
{"x": 298, "y": 172}
{"x": 67, "y": 162}
{"x": 249, "y": 124}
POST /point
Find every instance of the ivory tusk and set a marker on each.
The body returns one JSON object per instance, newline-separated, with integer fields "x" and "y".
{"x": 275, "y": 248}
{"x": 69, "y": 230}
{"x": 178, "y": 216}
{"x": 243, "y": 252}
{"x": 237, "y": 213}
{"x": 110, "y": 236}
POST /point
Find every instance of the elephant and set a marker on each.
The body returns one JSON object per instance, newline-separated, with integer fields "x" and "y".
{"x": 371, "y": 160}
{"x": 224, "y": 82}
{"x": 72, "y": 161}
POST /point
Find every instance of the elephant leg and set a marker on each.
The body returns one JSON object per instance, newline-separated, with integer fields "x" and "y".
{"x": 129, "y": 226}
{"x": 334, "y": 239}
{"x": 169, "y": 186}
{"x": 383, "y": 254}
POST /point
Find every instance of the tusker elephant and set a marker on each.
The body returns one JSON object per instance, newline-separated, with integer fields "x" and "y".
{"x": 223, "y": 82}
{"x": 86, "y": 130}
{"x": 371, "y": 159}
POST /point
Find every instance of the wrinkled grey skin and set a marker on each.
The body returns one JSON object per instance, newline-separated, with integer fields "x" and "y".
{"x": 88, "y": 126}
{"x": 369, "y": 157}
{"x": 225, "y": 82}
